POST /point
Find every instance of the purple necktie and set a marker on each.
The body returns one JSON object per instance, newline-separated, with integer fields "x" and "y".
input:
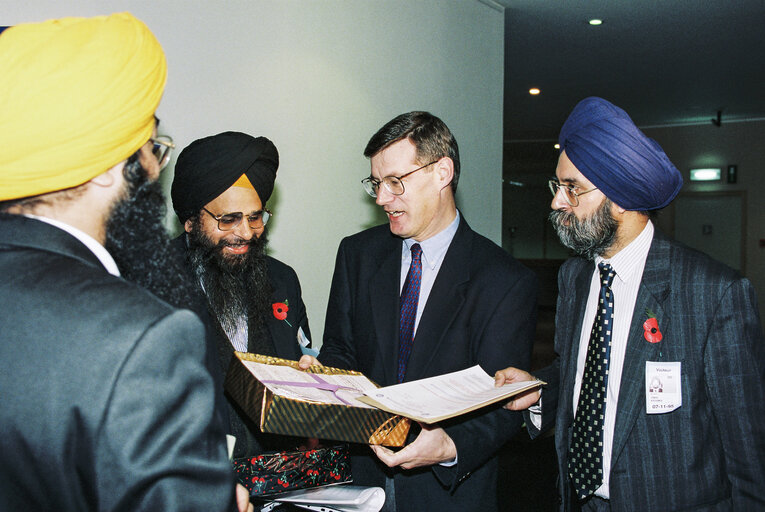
{"x": 410, "y": 295}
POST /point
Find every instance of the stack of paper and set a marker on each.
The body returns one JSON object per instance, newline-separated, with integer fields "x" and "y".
{"x": 342, "y": 498}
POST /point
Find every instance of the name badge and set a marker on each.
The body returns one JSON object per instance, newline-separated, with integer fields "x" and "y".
{"x": 663, "y": 392}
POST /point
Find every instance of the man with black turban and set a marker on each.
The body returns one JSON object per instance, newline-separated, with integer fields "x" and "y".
{"x": 636, "y": 309}
{"x": 106, "y": 403}
{"x": 251, "y": 302}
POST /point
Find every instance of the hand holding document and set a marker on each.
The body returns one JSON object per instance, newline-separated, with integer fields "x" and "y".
{"x": 437, "y": 398}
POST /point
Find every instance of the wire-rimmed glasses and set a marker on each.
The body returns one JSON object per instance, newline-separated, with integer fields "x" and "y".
{"x": 229, "y": 221}
{"x": 570, "y": 192}
{"x": 392, "y": 184}
{"x": 162, "y": 149}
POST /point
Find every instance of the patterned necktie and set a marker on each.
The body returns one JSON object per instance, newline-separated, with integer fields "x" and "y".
{"x": 585, "y": 455}
{"x": 410, "y": 295}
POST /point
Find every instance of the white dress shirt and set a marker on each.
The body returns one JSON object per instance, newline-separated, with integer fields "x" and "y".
{"x": 628, "y": 265}
{"x": 91, "y": 243}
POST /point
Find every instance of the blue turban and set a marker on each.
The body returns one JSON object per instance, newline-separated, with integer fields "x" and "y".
{"x": 631, "y": 169}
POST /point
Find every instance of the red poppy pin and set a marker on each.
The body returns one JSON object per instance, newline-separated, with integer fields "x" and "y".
{"x": 280, "y": 310}
{"x": 651, "y": 331}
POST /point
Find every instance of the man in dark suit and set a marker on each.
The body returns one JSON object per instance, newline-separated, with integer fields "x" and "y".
{"x": 249, "y": 301}
{"x": 676, "y": 422}
{"x": 106, "y": 403}
{"x": 472, "y": 304}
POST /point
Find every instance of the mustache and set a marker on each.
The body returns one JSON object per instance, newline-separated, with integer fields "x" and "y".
{"x": 588, "y": 237}
{"x": 240, "y": 242}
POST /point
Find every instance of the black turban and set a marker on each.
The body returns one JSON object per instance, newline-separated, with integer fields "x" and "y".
{"x": 208, "y": 167}
{"x": 631, "y": 169}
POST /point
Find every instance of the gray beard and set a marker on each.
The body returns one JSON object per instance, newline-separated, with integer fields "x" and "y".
{"x": 590, "y": 237}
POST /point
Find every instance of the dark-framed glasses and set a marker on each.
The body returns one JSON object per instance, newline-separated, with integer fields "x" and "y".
{"x": 229, "y": 221}
{"x": 162, "y": 149}
{"x": 570, "y": 192}
{"x": 392, "y": 184}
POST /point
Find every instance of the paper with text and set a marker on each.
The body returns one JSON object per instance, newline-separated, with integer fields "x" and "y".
{"x": 437, "y": 398}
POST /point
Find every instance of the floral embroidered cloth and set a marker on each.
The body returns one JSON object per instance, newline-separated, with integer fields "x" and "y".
{"x": 274, "y": 473}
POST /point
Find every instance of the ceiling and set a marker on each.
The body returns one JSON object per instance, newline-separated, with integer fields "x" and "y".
{"x": 666, "y": 62}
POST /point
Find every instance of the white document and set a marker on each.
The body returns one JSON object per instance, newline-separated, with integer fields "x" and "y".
{"x": 663, "y": 391}
{"x": 437, "y": 398}
{"x": 343, "y": 498}
{"x": 312, "y": 387}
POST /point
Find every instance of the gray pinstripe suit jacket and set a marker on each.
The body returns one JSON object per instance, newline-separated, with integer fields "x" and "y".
{"x": 710, "y": 453}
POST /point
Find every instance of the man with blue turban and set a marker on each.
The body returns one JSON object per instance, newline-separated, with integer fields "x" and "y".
{"x": 105, "y": 401}
{"x": 658, "y": 389}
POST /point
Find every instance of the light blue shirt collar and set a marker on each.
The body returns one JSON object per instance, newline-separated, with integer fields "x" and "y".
{"x": 434, "y": 248}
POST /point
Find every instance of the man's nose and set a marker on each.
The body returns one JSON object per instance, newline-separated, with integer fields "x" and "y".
{"x": 383, "y": 195}
{"x": 243, "y": 230}
{"x": 559, "y": 202}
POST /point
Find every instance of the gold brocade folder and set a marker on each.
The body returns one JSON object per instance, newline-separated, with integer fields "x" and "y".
{"x": 281, "y": 415}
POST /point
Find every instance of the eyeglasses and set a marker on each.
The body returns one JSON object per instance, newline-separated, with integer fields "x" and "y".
{"x": 393, "y": 184}
{"x": 570, "y": 193}
{"x": 162, "y": 149}
{"x": 228, "y": 221}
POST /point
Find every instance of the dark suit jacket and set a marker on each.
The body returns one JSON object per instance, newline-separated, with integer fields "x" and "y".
{"x": 283, "y": 333}
{"x": 710, "y": 453}
{"x": 105, "y": 403}
{"x": 481, "y": 310}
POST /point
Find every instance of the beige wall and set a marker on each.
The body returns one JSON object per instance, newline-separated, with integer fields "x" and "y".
{"x": 319, "y": 78}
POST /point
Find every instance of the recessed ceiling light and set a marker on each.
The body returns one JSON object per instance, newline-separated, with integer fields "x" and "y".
{"x": 534, "y": 91}
{"x": 557, "y": 146}
{"x": 595, "y": 22}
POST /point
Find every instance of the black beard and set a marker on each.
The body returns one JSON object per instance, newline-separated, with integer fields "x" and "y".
{"x": 234, "y": 284}
{"x": 589, "y": 237}
{"x": 137, "y": 240}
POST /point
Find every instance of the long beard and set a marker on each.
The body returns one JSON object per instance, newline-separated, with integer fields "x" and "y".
{"x": 589, "y": 237}
{"x": 235, "y": 285}
{"x": 137, "y": 240}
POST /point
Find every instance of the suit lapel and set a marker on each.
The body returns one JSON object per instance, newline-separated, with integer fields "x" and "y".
{"x": 444, "y": 302}
{"x": 280, "y": 330}
{"x": 572, "y": 327}
{"x": 653, "y": 291}
{"x": 384, "y": 296}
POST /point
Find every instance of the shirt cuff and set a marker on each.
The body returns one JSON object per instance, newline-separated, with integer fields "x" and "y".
{"x": 535, "y": 413}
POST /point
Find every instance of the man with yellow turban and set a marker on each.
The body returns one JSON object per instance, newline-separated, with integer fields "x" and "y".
{"x": 106, "y": 403}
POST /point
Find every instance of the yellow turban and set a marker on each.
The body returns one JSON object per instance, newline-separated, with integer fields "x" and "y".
{"x": 77, "y": 96}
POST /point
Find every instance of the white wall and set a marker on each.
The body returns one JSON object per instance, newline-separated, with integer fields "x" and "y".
{"x": 319, "y": 78}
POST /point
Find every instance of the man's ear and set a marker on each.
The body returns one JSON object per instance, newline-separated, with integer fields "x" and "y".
{"x": 188, "y": 225}
{"x": 108, "y": 178}
{"x": 445, "y": 170}
{"x": 616, "y": 209}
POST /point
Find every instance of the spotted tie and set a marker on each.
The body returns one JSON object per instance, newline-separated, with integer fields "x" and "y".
{"x": 410, "y": 296}
{"x": 585, "y": 455}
